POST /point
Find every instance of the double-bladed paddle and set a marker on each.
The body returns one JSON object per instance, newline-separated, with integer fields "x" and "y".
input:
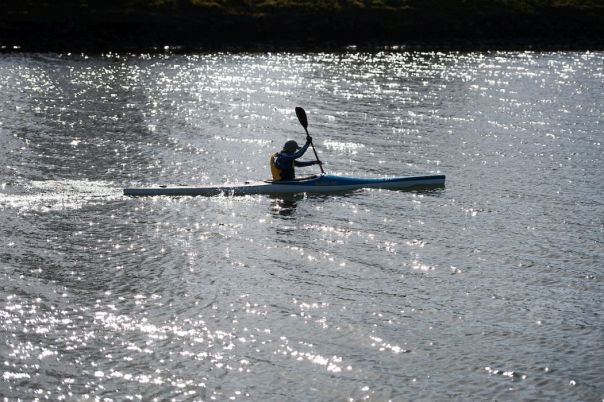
{"x": 304, "y": 121}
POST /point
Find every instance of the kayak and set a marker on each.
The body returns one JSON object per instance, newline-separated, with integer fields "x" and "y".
{"x": 314, "y": 184}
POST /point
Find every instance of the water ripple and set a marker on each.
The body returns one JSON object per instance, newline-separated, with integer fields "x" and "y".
{"x": 487, "y": 289}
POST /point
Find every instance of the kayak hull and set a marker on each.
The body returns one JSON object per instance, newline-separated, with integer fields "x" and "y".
{"x": 314, "y": 184}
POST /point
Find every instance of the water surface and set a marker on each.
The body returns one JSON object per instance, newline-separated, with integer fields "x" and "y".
{"x": 488, "y": 289}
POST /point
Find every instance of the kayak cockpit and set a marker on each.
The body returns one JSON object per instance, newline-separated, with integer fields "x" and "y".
{"x": 299, "y": 180}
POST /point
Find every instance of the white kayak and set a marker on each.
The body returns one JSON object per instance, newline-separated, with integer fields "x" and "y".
{"x": 315, "y": 184}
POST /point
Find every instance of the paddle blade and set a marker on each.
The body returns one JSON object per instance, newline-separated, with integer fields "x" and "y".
{"x": 302, "y": 117}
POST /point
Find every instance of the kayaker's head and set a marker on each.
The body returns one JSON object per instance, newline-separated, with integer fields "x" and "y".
{"x": 291, "y": 146}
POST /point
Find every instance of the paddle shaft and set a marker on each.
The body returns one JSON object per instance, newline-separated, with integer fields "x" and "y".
{"x": 301, "y": 113}
{"x": 314, "y": 150}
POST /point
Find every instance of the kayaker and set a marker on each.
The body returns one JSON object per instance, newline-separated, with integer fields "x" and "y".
{"x": 283, "y": 162}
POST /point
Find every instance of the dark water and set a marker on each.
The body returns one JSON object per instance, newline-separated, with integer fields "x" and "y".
{"x": 488, "y": 289}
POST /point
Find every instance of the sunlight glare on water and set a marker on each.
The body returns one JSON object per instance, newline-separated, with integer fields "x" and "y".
{"x": 488, "y": 289}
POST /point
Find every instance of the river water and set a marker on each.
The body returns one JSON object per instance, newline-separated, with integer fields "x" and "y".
{"x": 488, "y": 289}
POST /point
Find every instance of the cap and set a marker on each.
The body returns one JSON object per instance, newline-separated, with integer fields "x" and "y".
{"x": 291, "y": 146}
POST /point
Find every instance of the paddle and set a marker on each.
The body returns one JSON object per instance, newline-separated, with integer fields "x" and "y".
{"x": 304, "y": 121}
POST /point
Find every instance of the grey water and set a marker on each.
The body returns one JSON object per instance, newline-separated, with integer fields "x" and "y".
{"x": 490, "y": 288}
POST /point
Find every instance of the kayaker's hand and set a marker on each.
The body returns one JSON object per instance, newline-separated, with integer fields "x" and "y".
{"x": 309, "y": 139}
{"x": 319, "y": 163}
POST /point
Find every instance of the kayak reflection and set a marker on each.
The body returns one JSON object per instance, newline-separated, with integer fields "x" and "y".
{"x": 285, "y": 206}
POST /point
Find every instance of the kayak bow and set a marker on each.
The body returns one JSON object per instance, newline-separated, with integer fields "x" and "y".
{"x": 314, "y": 184}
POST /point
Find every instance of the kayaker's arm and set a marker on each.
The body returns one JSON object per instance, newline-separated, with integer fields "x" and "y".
{"x": 302, "y": 150}
{"x": 307, "y": 163}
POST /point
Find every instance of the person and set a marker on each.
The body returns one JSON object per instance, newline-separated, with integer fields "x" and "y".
{"x": 283, "y": 163}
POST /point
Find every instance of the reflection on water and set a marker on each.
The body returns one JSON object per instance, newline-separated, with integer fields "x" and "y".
{"x": 487, "y": 289}
{"x": 285, "y": 205}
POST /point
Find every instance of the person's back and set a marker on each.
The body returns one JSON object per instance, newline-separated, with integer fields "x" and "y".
{"x": 283, "y": 163}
